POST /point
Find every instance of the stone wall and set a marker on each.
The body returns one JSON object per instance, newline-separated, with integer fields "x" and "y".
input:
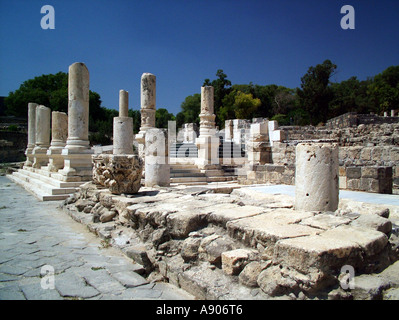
{"x": 352, "y": 119}
{"x": 12, "y": 146}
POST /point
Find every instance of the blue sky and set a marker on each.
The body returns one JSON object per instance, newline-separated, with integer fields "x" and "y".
{"x": 183, "y": 42}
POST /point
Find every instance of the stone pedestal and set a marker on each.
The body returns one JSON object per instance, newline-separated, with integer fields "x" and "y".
{"x": 258, "y": 147}
{"x": 39, "y": 153}
{"x": 157, "y": 167}
{"x": 77, "y": 152}
{"x": 59, "y": 130}
{"x": 31, "y": 134}
{"x": 119, "y": 173}
{"x": 148, "y": 100}
{"x": 316, "y": 177}
{"x": 123, "y": 127}
{"x": 207, "y": 142}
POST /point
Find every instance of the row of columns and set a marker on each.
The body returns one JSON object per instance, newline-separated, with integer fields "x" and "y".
{"x": 68, "y": 156}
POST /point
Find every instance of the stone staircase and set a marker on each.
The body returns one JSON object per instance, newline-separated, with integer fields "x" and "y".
{"x": 189, "y": 174}
{"x": 45, "y": 188}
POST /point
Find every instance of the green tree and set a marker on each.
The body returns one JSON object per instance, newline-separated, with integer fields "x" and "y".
{"x": 136, "y": 115}
{"x": 350, "y": 96}
{"x": 191, "y": 108}
{"x": 384, "y": 90}
{"x": 245, "y": 105}
{"x": 50, "y": 90}
{"x": 316, "y": 93}
{"x": 162, "y": 116}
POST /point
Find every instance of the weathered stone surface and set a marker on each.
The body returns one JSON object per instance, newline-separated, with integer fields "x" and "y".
{"x": 216, "y": 247}
{"x": 267, "y": 228}
{"x": 330, "y": 250}
{"x": 190, "y": 248}
{"x": 222, "y": 213}
{"x": 316, "y": 177}
{"x": 373, "y": 222}
{"x": 119, "y": 173}
{"x": 234, "y": 261}
{"x": 249, "y": 275}
{"x": 368, "y": 287}
{"x": 325, "y": 221}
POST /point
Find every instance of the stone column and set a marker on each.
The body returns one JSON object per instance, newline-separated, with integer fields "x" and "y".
{"x": 392, "y": 113}
{"x": 59, "y": 131}
{"x": 157, "y": 167}
{"x": 123, "y": 127}
{"x": 148, "y": 95}
{"x": 207, "y": 142}
{"x": 77, "y": 152}
{"x": 39, "y": 153}
{"x": 31, "y": 133}
{"x": 258, "y": 147}
{"x": 316, "y": 177}
{"x": 228, "y": 130}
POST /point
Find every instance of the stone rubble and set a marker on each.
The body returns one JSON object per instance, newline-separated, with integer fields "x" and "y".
{"x": 244, "y": 244}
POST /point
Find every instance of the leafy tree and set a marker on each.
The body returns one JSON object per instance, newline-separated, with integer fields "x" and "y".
{"x": 191, "y": 108}
{"x": 350, "y": 96}
{"x": 245, "y": 105}
{"x": 136, "y": 115}
{"x": 51, "y": 91}
{"x": 316, "y": 93}
{"x": 162, "y": 116}
{"x": 384, "y": 90}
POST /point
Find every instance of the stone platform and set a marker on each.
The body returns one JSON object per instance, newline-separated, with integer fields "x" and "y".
{"x": 42, "y": 185}
{"x": 228, "y": 242}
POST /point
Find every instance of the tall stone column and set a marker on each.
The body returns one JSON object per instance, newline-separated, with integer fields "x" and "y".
{"x": 316, "y": 177}
{"x": 43, "y": 115}
{"x": 59, "y": 133}
{"x": 148, "y": 100}
{"x": 123, "y": 127}
{"x": 31, "y": 133}
{"x": 157, "y": 167}
{"x": 77, "y": 152}
{"x": 207, "y": 142}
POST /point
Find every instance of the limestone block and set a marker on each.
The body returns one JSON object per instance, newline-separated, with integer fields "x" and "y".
{"x": 234, "y": 261}
{"x": 316, "y": 177}
{"x": 119, "y": 173}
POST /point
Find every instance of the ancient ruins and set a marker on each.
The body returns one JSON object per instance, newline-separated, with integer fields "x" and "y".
{"x": 191, "y": 206}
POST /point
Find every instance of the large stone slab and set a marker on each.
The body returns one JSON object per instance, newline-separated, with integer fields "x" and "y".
{"x": 268, "y": 228}
{"x": 330, "y": 250}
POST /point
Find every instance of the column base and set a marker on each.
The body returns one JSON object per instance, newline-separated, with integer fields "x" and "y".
{"x": 77, "y": 166}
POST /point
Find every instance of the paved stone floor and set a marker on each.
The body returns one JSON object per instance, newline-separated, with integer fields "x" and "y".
{"x": 44, "y": 254}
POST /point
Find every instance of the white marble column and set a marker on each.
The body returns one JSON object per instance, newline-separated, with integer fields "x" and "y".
{"x": 157, "y": 167}
{"x": 316, "y": 177}
{"x": 31, "y": 133}
{"x": 59, "y": 133}
{"x": 123, "y": 127}
{"x": 43, "y": 118}
{"x": 207, "y": 142}
{"x": 148, "y": 106}
{"x": 77, "y": 152}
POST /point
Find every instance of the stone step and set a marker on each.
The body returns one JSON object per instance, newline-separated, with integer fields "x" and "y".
{"x": 36, "y": 191}
{"x": 45, "y": 177}
{"x": 186, "y": 174}
{"x": 45, "y": 187}
{"x": 188, "y": 179}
